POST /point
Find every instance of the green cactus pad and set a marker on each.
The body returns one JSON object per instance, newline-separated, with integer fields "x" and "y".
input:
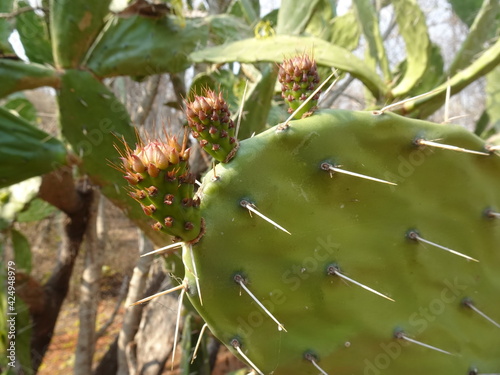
{"x": 140, "y": 46}
{"x": 25, "y": 150}
{"x": 74, "y": 26}
{"x": 18, "y": 75}
{"x": 342, "y": 223}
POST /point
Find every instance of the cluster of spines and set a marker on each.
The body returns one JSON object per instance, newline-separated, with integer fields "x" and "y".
{"x": 158, "y": 173}
{"x": 210, "y": 122}
{"x": 299, "y": 79}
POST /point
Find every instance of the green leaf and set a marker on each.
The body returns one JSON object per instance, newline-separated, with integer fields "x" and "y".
{"x": 25, "y": 150}
{"x": 34, "y": 34}
{"x": 248, "y": 10}
{"x": 484, "y": 27}
{"x": 466, "y": 10}
{"x": 140, "y": 46}
{"x": 346, "y": 31}
{"x": 74, "y": 26}
{"x": 294, "y": 16}
{"x": 320, "y": 23}
{"x": 37, "y": 210}
{"x": 22, "y": 251}
{"x": 433, "y": 75}
{"x": 225, "y": 28}
{"x": 23, "y": 107}
{"x": 274, "y": 49}
{"x": 368, "y": 19}
{"x": 425, "y": 106}
{"x": 17, "y": 75}
{"x": 6, "y": 27}
{"x": 13, "y": 200}
{"x": 413, "y": 29}
{"x": 258, "y": 103}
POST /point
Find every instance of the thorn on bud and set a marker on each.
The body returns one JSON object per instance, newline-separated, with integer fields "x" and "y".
{"x": 152, "y": 191}
{"x": 169, "y": 199}
{"x": 149, "y": 210}
{"x": 169, "y": 221}
{"x": 157, "y": 226}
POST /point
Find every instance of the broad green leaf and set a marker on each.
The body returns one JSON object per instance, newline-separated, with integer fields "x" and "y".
{"x": 14, "y": 199}
{"x": 37, "y": 210}
{"x": 346, "y": 31}
{"x": 276, "y": 48}
{"x": 22, "y": 251}
{"x": 368, "y": 19}
{"x": 466, "y": 10}
{"x": 18, "y": 75}
{"x": 424, "y": 107}
{"x": 6, "y": 27}
{"x": 23, "y": 107}
{"x": 413, "y": 29}
{"x": 225, "y": 28}
{"x": 320, "y": 23}
{"x": 258, "y": 103}
{"x": 433, "y": 74}
{"x": 74, "y": 25}
{"x": 25, "y": 150}
{"x": 248, "y": 10}
{"x": 294, "y": 16}
{"x": 139, "y": 46}
{"x": 484, "y": 27}
{"x": 34, "y": 34}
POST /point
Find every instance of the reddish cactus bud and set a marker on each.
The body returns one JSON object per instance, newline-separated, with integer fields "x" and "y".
{"x": 299, "y": 78}
{"x": 211, "y": 112}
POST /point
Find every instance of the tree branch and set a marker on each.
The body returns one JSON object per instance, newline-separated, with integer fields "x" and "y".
{"x": 20, "y": 11}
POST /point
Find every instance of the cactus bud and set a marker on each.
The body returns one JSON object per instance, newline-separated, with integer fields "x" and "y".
{"x": 159, "y": 171}
{"x": 209, "y": 119}
{"x": 299, "y": 78}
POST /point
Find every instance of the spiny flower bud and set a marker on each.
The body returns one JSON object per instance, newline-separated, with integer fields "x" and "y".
{"x": 299, "y": 78}
{"x": 210, "y": 122}
{"x": 162, "y": 184}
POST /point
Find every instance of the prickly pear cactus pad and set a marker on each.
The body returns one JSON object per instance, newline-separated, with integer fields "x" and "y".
{"x": 387, "y": 255}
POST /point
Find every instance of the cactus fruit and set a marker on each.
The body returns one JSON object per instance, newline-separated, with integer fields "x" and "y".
{"x": 299, "y": 78}
{"x": 160, "y": 180}
{"x": 209, "y": 119}
{"x": 348, "y": 243}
